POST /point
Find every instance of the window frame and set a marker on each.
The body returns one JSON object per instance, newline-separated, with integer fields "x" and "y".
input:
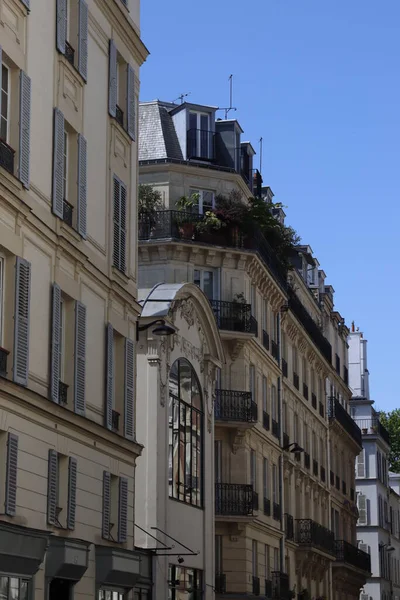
{"x": 215, "y": 280}
{"x": 201, "y": 192}
{"x": 8, "y": 93}
{"x": 197, "y": 578}
{"x": 20, "y": 581}
{"x": 66, "y": 165}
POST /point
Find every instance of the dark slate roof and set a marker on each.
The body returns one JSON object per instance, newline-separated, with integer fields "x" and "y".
{"x": 157, "y": 135}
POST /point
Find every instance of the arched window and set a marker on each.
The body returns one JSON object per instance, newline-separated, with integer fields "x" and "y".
{"x": 185, "y": 434}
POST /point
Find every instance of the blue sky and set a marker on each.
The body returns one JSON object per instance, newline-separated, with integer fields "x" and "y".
{"x": 319, "y": 81}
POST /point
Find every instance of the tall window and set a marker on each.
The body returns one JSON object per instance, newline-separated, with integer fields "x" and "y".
{"x": 254, "y": 558}
{"x": 218, "y": 460}
{"x": 5, "y": 103}
{"x": 305, "y": 440}
{"x": 199, "y": 136}
{"x": 206, "y": 200}
{"x": 274, "y": 408}
{"x": 120, "y": 216}
{"x": 185, "y": 434}
{"x": 253, "y": 383}
{"x": 253, "y": 300}
{"x": 275, "y": 493}
{"x": 207, "y": 281}
{"x": 265, "y": 315}
{"x": 265, "y": 478}
{"x": 184, "y": 582}
{"x": 253, "y": 470}
{"x": 265, "y": 395}
{"x": 276, "y": 559}
{"x": 13, "y": 588}
{"x": 218, "y": 554}
{"x": 267, "y": 564}
{"x": 285, "y": 423}
{"x": 1, "y": 297}
{"x": 296, "y": 428}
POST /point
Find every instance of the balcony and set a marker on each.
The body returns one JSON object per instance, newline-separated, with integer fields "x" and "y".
{"x": 235, "y": 406}
{"x": 296, "y": 380}
{"x": 337, "y": 413}
{"x": 268, "y": 588}
{"x": 267, "y": 507}
{"x": 312, "y": 534}
{"x": 265, "y": 339}
{"x": 323, "y": 474}
{"x": 275, "y": 350}
{"x": 119, "y": 115}
{"x": 256, "y": 586}
{"x": 275, "y": 428}
{"x": 7, "y": 157}
{"x": 315, "y": 467}
{"x": 289, "y": 527}
{"x": 373, "y": 426}
{"x": 234, "y": 316}
{"x": 62, "y": 393}
{"x": 284, "y": 368}
{"x": 307, "y": 460}
{"x": 305, "y": 391}
{"x": 347, "y": 553}
{"x": 234, "y": 499}
{"x": 266, "y": 420}
{"x": 310, "y": 326}
{"x": 276, "y": 511}
{"x": 314, "y": 401}
{"x": 280, "y": 585}
{"x": 3, "y": 362}
{"x": 68, "y": 211}
{"x": 69, "y": 53}
{"x": 200, "y": 144}
{"x": 220, "y": 583}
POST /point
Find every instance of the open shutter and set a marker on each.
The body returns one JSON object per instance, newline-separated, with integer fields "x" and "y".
{"x": 83, "y": 39}
{"x": 129, "y": 388}
{"x": 72, "y": 471}
{"x": 131, "y": 102}
{"x": 58, "y": 163}
{"x": 80, "y": 357}
{"x": 106, "y": 505}
{"x": 362, "y": 509}
{"x": 24, "y": 128}
{"x": 82, "y": 185}
{"x": 21, "y": 321}
{"x": 112, "y": 80}
{"x": 123, "y": 510}
{"x": 55, "y": 344}
{"x": 11, "y": 475}
{"x": 61, "y": 25}
{"x": 52, "y": 488}
{"x": 109, "y": 375}
{"x": 122, "y": 249}
{"x": 360, "y": 464}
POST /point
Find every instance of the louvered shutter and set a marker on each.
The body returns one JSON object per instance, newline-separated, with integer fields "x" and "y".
{"x": 24, "y": 128}
{"x": 55, "y": 344}
{"x": 119, "y": 257}
{"x": 61, "y": 25}
{"x": 21, "y": 321}
{"x": 80, "y": 357}
{"x": 83, "y": 39}
{"x": 129, "y": 388}
{"x": 112, "y": 79}
{"x": 72, "y": 475}
{"x": 106, "y": 504}
{"x": 123, "y": 510}
{"x": 131, "y": 102}
{"x": 52, "y": 487}
{"x": 82, "y": 186}
{"x": 58, "y": 163}
{"x": 362, "y": 509}
{"x": 11, "y": 475}
{"x": 109, "y": 375}
{"x": 360, "y": 469}
{"x": 364, "y": 548}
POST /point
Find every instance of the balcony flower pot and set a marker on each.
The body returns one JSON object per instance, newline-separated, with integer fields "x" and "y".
{"x": 209, "y": 229}
{"x": 186, "y": 222}
{"x": 365, "y": 431}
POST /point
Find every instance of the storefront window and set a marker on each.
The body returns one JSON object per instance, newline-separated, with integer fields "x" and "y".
{"x": 12, "y": 588}
{"x": 185, "y": 583}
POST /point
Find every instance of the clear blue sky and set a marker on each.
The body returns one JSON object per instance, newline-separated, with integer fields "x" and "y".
{"x": 319, "y": 80}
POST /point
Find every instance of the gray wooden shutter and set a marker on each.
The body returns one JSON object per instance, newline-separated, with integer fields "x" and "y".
{"x": 11, "y": 475}
{"x": 129, "y": 388}
{"x": 123, "y": 510}
{"x": 82, "y": 186}
{"x": 117, "y": 222}
{"x": 131, "y": 103}
{"x": 106, "y": 505}
{"x": 80, "y": 357}
{"x": 24, "y": 128}
{"x": 112, "y": 79}
{"x": 72, "y": 476}
{"x": 55, "y": 344}
{"x": 109, "y": 375}
{"x": 83, "y": 39}
{"x": 58, "y": 163}
{"x": 52, "y": 487}
{"x": 362, "y": 509}
{"x": 61, "y": 25}
{"x": 21, "y": 321}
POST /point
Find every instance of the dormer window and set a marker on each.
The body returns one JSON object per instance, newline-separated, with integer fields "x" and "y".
{"x": 200, "y": 138}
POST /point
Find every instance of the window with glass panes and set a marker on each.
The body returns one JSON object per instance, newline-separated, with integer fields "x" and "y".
{"x": 5, "y": 103}
{"x": 207, "y": 282}
{"x": 14, "y": 588}
{"x": 185, "y": 583}
{"x": 206, "y": 199}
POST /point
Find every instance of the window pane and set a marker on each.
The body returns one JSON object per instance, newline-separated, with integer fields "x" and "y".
{"x": 185, "y": 381}
{"x": 192, "y": 120}
{"x": 196, "y": 277}
{"x": 3, "y": 588}
{"x": 208, "y": 200}
{"x": 23, "y": 590}
{"x": 14, "y": 588}
{"x": 208, "y": 285}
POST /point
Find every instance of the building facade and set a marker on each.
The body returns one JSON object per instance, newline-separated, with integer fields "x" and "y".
{"x": 284, "y": 442}
{"x": 68, "y": 309}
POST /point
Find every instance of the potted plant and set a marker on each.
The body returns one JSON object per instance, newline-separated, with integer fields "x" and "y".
{"x": 208, "y": 227}
{"x": 149, "y": 204}
{"x": 186, "y": 221}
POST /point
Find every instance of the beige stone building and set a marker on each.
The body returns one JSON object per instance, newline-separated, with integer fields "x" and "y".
{"x": 284, "y": 443}
{"x": 68, "y": 310}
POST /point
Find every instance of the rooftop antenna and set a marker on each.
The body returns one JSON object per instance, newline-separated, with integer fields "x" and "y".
{"x": 227, "y": 110}
{"x": 181, "y": 97}
{"x": 261, "y": 149}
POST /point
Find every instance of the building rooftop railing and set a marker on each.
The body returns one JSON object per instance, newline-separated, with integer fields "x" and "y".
{"x": 373, "y": 426}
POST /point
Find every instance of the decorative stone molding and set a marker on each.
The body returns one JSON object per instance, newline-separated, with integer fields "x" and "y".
{"x": 238, "y": 440}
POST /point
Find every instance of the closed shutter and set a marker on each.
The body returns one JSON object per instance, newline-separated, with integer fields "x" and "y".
{"x": 109, "y": 375}
{"x": 129, "y": 388}
{"x": 58, "y": 163}
{"x": 106, "y": 505}
{"x": 83, "y": 39}
{"x": 72, "y": 474}
{"x": 80, "y": 357}
{"x": 112, "y": 79}
{"x": 52, "y": 488}
{"x": 131, "y": 102}
{"x": 21, "y": 321}
{"x": 61, "y": 25}
{"x": 123, "y": 510}
{"x": 11, "y": 475}
{"x": 362, "y": 509}
{"x": 119, "y": 258}
{"x": 24, "y": 128}
{"x": 360, "y": 464}
{"x": 82, "y": 185}
{"x": 55, "y": 344}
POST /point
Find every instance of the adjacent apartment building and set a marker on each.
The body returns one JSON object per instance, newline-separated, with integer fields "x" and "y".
{"x": 377, "y": 489}
{"x": 68, "y": 309}
{"x": 284, "y": 442}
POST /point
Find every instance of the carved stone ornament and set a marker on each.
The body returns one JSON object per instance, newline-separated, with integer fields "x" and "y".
{"x": 238, "y": 437}
{"x": 186, "y": 310}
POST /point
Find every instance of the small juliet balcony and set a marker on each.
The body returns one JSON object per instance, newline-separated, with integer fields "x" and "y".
{"x": 235, "y": 407}
{"x": 234, "y": 500}
{"x": 351, "y": 555}
{"x": 234, "y": 317}
{"x": 315, "y": 536}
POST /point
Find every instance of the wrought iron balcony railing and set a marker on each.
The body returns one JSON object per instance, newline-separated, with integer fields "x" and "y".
{"x": 62, "y": 392}
{"x": 265, "y": 339}
{"x": 69, "y": 53}
{"x": 284, "y": 368}
{"x": 266, "y": 420}
{"x": 296, "y": 380}
{"x": 234, "y": 316}
{"x": 267, "y": 507}
{"x": 275, "y": 428}
{"x": 234, "y": 405}
{"x": 200, "y": 144}
{"x": 280, "y": 585}
{"x": 289, "y": 526}
{"x": 347, "y": 553}
{"x": 3, "y": 362}
{"x": 336, "y": 412}
{"x": 310, "y": 533}
{"x": 220, "y": 583}
{"x": 275, "y": 350}
{"x": 373, "y": 426}
{"x": 276, "y": 511}
{"x": 314, "y": 400}
{"x": 6, "y": 157}
{"x": 234, "y": 499}
{"x": 68, "y": 211}
{"x": 256, "y": 586}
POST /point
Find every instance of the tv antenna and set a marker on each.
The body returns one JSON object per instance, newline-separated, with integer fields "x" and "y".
{"x": 228, "y": 110}
{"x": 181, "y": 98}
